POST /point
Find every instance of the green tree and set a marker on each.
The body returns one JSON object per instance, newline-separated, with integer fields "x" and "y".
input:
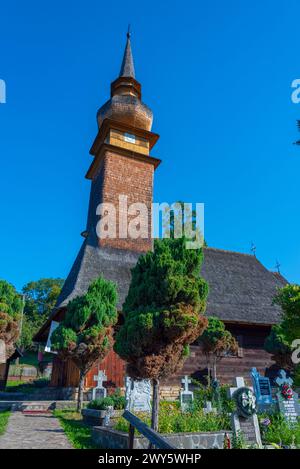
{"x": 280, "y": 340}
{"x": 288, "y": 298}
{"x": 10, "y": 315}
{"x": 86, "y": 333}
{"x": 216, "y": 343}
{"x": 278, "y": 345}
{"x": 40, "y": 298}
{"x": 162, "y": 313}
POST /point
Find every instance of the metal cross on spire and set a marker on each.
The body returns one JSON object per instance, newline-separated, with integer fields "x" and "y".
{"x": 127, "y": 67}
{"x": 253, "y": 249}
{"x": 277, "y": 266}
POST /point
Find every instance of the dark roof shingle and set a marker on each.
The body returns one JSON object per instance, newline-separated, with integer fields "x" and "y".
{"x": 241, "y": 289}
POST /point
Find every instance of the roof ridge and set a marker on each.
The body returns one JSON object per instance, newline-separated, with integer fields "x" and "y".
{"x": 230, "y": 251}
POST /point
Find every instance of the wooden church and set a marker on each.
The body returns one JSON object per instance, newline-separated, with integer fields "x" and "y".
{"x": 241, "y": 288}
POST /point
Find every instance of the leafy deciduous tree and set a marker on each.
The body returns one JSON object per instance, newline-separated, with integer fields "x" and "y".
{"x": 279, "y": 342}
{"x": 279, "y": 347}
{"x": 288, "y": 298}
{"x": 10, "y": 315}
{"x": 40, "y": 298}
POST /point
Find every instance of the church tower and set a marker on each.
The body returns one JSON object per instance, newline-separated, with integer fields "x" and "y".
{"x": 121, "y": 166}
{"x": 122, "y": 169}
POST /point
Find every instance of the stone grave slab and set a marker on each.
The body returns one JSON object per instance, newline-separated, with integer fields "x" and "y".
{"x": 138, "y": 395}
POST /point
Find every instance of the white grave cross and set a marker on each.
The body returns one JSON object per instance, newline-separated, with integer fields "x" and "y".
{"x": 186, "y": 396}
{"x": 100, "y": 377}
{"x": 186, "y": 381}
{"x": 240, "y": 383}
{"x": 283, "y": 379}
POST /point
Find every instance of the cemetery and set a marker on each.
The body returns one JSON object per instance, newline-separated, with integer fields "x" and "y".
{"x": 149, "y": 342}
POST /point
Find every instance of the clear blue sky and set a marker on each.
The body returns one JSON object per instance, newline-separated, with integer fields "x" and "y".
{"x": 217, "y": 76}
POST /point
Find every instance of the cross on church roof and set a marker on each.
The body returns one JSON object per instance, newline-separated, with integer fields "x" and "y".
{"x": 277, "y": 266}
{"x": 253, "y": 249}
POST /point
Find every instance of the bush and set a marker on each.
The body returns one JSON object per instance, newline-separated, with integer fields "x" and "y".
{"x": 206, "y": 393}
{"x": 101, "y": 404}
{"x": 279, "y": 431}
{"x": 173, "y": 420}
{"x": 41, "y": 383}
{"x": 119, "y": 400}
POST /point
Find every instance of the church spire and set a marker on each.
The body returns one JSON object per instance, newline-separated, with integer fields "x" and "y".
{"x": 127, "y": 67}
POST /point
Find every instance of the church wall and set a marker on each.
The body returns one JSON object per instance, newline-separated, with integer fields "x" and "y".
{"x": 66, "y": 374}
{"x": 251, "y": 354}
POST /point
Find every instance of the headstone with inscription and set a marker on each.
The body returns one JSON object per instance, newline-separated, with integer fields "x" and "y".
{"x": 138, "y": 395}
{"x": 186, "y": 396}
{"x": 262, "y": 389}
{"x": 287, "y": 398}
{"x": 99, "y": 391}
{"x": 244, "y": 419}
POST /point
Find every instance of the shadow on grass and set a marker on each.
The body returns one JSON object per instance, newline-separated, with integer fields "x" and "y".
{"x": 78, "y": 433}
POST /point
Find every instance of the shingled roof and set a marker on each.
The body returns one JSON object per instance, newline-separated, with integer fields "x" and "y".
{"x": 127, "y": 67}
{"x": 241, "y": 289}
{"x": 92, "y": 261}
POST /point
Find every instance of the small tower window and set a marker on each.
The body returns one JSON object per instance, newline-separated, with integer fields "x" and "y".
{"x": 130, "y": 138}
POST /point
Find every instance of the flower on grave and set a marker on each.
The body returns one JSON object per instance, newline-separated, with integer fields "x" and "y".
{"x": 265, "y": 422}
{"x": 286, "y": 391}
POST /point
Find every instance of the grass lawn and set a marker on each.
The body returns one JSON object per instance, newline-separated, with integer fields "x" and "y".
{"x": 78, "y": 433}
{"x": 26, "y": 387}
{"x": 15, "y": 383}
{"x": 4, "y": 416}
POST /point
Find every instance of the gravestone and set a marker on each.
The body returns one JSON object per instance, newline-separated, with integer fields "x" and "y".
{"x": 287, "y": 398}
{"x": 108, "y": 414}
{"x": 138, "y": 395}
{"x": 244, "y": 419}
{"x": 2, "y": 351}
{"x": 186, "y": 396}
{"x": 209, "y": 409}
{"x": 262, "y": 389}
{"x": 99, "y": 391}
